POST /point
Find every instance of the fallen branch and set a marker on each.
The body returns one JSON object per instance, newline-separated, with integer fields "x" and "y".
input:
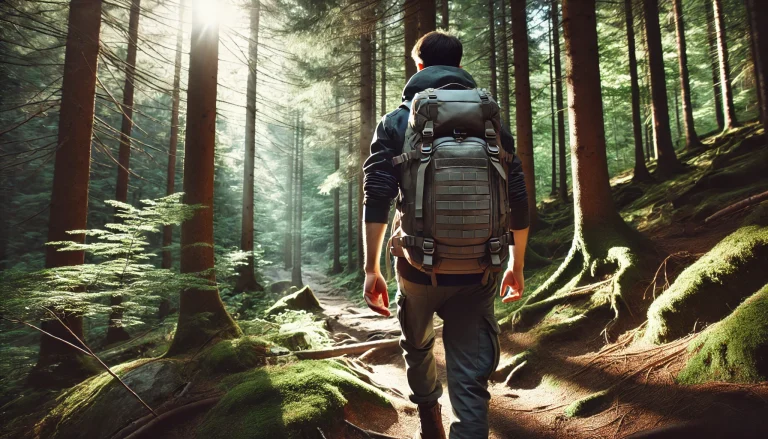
{"x": 142, "y": 427}
{"x": 351, "y": 349}
{"x": 754, "y": 199}
{"x": 114, "y": 375}
{"x": 369, "y": 433}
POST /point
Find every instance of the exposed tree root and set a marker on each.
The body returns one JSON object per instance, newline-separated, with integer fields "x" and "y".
{"x": 600, "y": 269}
{"x": 357, "y": 348}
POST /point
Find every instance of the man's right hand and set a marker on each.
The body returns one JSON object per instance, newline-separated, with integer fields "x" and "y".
{"x": 375, "y": 293}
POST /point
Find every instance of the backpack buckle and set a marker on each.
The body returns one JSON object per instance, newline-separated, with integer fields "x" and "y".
{"x": 493, "y": 150}
{"x": 428, "y": 130}
{"x": 494, "y": 247}
{"x": 428, "y": 248}
{"x": 490, "y": 133}
{"x": 426, "y": 150}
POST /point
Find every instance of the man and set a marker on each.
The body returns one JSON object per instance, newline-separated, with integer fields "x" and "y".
{"x": 465, "y": 302}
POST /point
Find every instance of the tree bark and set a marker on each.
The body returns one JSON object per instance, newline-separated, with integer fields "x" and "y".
{"x": 296, "y": 275}
{"x": 504, "y": 67}
{"x": 115, "y": 330}
{"x": 715, "y": 65}
{"x": 553, "y": 191}
{"x": 523, "y": 109}
{"x": 641, "y": 171}
{"x": 383, "y": 59}
{"x": 350, "y": 224}
{"x": 563, "y": 186}
{"x": 595, "y": 212}
{"x": 247, "y": 279}
{"x": 668, "y": 164}
{"x": 492, "y": 42}
{"x": 729, "y": 110}
{"x": 411, "y": 34}
{"x": 691, "y": 138}
{"x": 170, "y": 185}
{"x": 759, "y": 28}
{"x": 444, "y": 14}
{"x": 201, "y": 312}
{"x": 427, "y": 17}
{"x": 71, "y": 171}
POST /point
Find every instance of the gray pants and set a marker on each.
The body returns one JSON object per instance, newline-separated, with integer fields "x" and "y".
{"x": 470, "y": 336}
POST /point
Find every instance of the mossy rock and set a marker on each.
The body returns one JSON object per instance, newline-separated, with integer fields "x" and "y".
{"x": 289, "y": 401}
{"x": 236, "y": 355}
{"x": 735, "y": 349}
{"x": 589, "y": 405}
{"x": 304, "y": 300}
{"x": 280, "y": 287}
{"x": 99, "y": 406}
{"x": 714, "y": 285}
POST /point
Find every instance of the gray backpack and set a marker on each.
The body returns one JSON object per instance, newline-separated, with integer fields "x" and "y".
{"x": 452, "y": 211}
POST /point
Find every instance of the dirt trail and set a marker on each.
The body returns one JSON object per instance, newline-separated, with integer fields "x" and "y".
{"x": 534, "y": 408}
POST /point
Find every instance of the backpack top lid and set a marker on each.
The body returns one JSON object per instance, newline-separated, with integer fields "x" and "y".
{"x": 455, "y": 108}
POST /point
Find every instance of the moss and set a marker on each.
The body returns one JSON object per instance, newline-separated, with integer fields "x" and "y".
{"x": 235, "y": 355}
{"x": 589, "y": 405}
{"x": 286, "y": 401}
{"x": 709, "y": 289}
{"x": 735, "y": 349}
{"x": 72, "y": 403}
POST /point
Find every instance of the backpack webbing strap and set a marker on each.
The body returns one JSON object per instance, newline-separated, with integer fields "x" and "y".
{"x": 427, "y": 137}
{"x": 494, "y": 245}
{"x": 406, "y": 156}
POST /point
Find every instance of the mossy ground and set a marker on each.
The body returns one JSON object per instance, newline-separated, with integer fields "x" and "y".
{"x": 287, "y": 401}
{"x": 714, "y": 285}
{"x": 589, "y": 405}
{"x": 235, "y": 355}
{"x": 735, "y": 349}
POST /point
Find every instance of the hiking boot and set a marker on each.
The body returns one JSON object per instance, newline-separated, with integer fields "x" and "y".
{"x": 431, "y": 422}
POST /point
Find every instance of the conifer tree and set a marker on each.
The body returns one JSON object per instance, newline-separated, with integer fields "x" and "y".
{"x": 729, "y": 110}
{"x": 641, "y": 171}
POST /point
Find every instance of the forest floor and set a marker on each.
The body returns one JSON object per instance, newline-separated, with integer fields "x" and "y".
{"x": 638, "y": 380}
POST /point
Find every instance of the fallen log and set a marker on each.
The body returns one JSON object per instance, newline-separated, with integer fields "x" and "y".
{"x": 754, "y": 199}
{"x": 351, "y": 349}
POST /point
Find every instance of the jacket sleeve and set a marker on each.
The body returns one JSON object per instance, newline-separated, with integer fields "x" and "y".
{"x": 518, "y": 196}
{"x": 380, "y": 184}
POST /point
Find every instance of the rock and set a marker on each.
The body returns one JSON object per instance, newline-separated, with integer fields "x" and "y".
{"x": 303, "y": 299}
{"x": 295, "y": 341}
{"x": 100, "y": 406}
{"x": 280, "y": 287}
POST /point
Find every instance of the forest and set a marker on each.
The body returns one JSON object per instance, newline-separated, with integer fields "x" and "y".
{"x": 181, "y": 233}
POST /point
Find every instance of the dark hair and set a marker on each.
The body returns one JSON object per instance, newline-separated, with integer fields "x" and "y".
{"x": 438, "y": 48}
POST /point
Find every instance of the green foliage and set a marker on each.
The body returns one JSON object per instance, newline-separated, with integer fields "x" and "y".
{"x": 286, "y": 401}
{"x": 118, "y": 264}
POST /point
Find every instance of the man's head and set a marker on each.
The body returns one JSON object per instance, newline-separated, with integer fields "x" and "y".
{"x": 437, "y": 48}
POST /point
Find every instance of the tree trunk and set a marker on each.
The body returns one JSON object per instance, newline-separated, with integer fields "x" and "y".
{"x": 383, "y": 59}
{"x": 170, "y": 185}
{"x": 336, "y": 267}
{"x": 366, "y": 120}
{"x": 755, "y": 63}
{"x": 71, "y": 171}
{"x": 504, "y": 67}
{"x": 691, "y": 138}
{"x": 593, "y": 204}
{"x": 759, "y": 28}
{"x": 715, "y": 65}
{"x": 668, "y": 164}
{"x": 729, "y": 109}
{"x": 641, "y": 171}
{"x": 492, "y": 42}
{"x": 201, "y": 312}
{"x": 350, "y": 224}
{"x": 552, "y": 192}
{"x": 444, "y": 13}
{"x": 563, "y": 187}
{"x": 410, "y": 35}
{"x": 427, "y": 17}
{"x": 523, "y": 110}
{"x": 124, "y": 157}
{"x": 247, "y": 279}
{"x": 289, "y": 209}
{"x": 115, "y": 330}
{"x": 296, "y": 275}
